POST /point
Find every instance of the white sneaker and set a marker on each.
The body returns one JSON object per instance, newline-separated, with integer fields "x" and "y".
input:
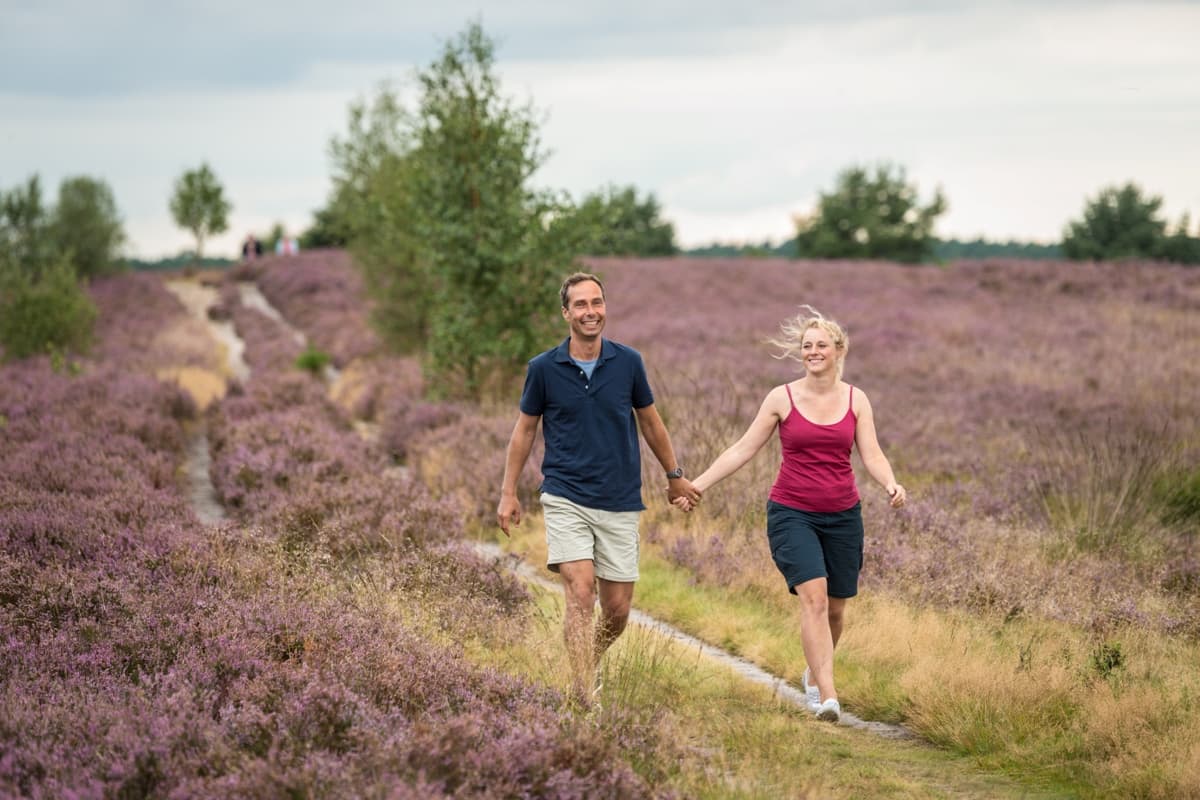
{"x": 830, "y": 710}
{"x": 811, "y": 693}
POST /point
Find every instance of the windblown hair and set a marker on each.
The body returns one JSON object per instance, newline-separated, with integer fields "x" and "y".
{"x": 575, "y": 278}
{"x": 791, "y": 336}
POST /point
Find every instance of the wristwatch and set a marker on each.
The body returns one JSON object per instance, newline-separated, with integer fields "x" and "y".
{"x": 675, "y": 473}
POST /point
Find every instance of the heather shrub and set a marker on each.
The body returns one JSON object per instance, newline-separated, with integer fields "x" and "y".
{"x": 321, "y": 293}
{"x": 458, "y": 459}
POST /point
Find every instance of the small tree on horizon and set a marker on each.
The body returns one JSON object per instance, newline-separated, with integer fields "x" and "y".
{"x": 198, "y": 204}
{"x": 1119, "y": 222}
{"x": 615, "y": 222}
{"x": 870, "y": 214}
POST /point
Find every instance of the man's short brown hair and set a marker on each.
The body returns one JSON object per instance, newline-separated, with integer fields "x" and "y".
{"x": 578, "y": 277}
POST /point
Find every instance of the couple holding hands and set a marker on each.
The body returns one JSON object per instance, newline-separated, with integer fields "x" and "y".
{"x": 592, "y": 397}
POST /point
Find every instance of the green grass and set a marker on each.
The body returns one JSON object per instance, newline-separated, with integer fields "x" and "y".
{"x": 740, "y": 740}
{"x": 722, "y": 736}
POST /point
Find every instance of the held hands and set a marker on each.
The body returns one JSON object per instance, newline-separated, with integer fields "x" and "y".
{"x": 683, "y": 504}
{"x": 897, "y": 494}
{"x": 682, "y": 494}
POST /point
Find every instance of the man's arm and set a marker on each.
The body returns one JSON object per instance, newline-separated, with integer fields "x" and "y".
{"x": 519, "y": 446}
{"x": 655, "y": 434}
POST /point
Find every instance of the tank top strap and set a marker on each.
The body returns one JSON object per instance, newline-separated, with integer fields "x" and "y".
{"x": 791, "y": 400}
{"x": 852, "y": 398}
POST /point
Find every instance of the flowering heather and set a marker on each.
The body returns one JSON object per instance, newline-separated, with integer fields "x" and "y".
{"x": 321, "y": 293}
{"x": 142, "y": 326}
{"x": 145, "y": 656}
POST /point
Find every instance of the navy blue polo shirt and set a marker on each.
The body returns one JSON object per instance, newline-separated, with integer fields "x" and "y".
{"x": 591, "y": 434}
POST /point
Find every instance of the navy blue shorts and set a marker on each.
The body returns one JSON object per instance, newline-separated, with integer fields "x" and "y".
{"x": 817, "y": 544}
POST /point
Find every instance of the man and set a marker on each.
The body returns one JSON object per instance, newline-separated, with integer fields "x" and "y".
{"x": 592, "y": 396}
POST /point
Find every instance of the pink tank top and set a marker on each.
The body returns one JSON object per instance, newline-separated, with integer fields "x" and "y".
{"x": 816, "y": 474}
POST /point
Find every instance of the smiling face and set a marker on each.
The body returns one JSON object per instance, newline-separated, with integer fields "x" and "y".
{"x": 584, "y": 310}
{"x": 820, "y": 353}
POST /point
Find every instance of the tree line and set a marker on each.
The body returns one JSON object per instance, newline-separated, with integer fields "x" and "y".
{"x": 458, "y": 248}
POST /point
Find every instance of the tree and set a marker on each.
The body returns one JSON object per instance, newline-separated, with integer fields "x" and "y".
{"x": 26, "y": 244}
{"x": 1180, "y": 246}
{"x": 43, "y": 307}
{"x": 483, "y": 234}
{"x": 198, "y": 204}
{"x": 1118, "y": 223}
{"x": 327, "y": 230}
{"x": 870, "y": 215}
{"x": 86, "y": 227}
{"x": 375, "y": 207}
{"x": 614, "y": 222}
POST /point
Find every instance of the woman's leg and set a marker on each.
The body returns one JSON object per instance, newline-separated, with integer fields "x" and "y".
{"x": 816, "y": 633}
{"x": 837, "y": 617}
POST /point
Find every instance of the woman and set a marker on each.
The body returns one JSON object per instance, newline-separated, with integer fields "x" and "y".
{"x": 814, "y": 517}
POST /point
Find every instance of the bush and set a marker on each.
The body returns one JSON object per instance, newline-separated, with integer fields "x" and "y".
{"x": 313, "y": 360}
{"x": 48, "y": 314}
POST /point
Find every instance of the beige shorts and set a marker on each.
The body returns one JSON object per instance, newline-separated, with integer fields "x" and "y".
{"x": 609, "y": 539}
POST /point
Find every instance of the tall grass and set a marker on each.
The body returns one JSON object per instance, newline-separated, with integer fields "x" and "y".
{"x": 1105, "y": 489}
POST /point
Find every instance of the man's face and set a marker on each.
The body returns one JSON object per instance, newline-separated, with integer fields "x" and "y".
{"x": 585, "y": 310}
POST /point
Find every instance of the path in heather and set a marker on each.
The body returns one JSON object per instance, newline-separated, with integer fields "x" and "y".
{"x": 198, "y": 298}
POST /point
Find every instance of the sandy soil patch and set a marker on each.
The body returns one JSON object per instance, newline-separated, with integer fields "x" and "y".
{"x": 204, "y": 385}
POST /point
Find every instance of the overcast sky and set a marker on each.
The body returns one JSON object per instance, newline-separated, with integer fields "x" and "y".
{"x": 734, "y": 114}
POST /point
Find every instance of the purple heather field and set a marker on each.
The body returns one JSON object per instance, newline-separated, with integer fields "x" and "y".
{"x": 1042, "y": 414}
{"x": 144, "y": 655}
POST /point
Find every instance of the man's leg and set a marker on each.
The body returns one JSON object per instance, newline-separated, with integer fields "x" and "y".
{"x": 615, "y": 600}
{"x": 579, "y": 588}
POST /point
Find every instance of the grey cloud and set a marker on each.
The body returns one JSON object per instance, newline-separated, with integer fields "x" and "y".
{"x": 70, "y": 48}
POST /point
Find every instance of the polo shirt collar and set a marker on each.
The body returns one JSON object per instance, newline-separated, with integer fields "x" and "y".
{"x": 562, "y": 353}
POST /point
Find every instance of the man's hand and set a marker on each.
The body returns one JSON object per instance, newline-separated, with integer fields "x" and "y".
{"x": 508, "y": 511}
{"x": 682, "y": 487}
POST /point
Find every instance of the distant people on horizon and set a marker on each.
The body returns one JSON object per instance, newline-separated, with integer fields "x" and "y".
{"x": 286, "y": 245}
{"x": 251, "y": 247}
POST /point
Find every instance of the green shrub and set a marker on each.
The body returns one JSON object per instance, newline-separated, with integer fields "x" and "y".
{"x": 1107, "y": 659}
{"x": 48, "y": 314}
{"x": 313, "y": 360}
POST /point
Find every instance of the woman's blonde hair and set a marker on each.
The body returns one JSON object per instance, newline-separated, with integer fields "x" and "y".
{"x": 792, "y": 330}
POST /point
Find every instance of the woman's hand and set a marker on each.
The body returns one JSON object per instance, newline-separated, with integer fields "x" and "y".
{"x": 897, "y": 494}
{"x": 684, "y": 503}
